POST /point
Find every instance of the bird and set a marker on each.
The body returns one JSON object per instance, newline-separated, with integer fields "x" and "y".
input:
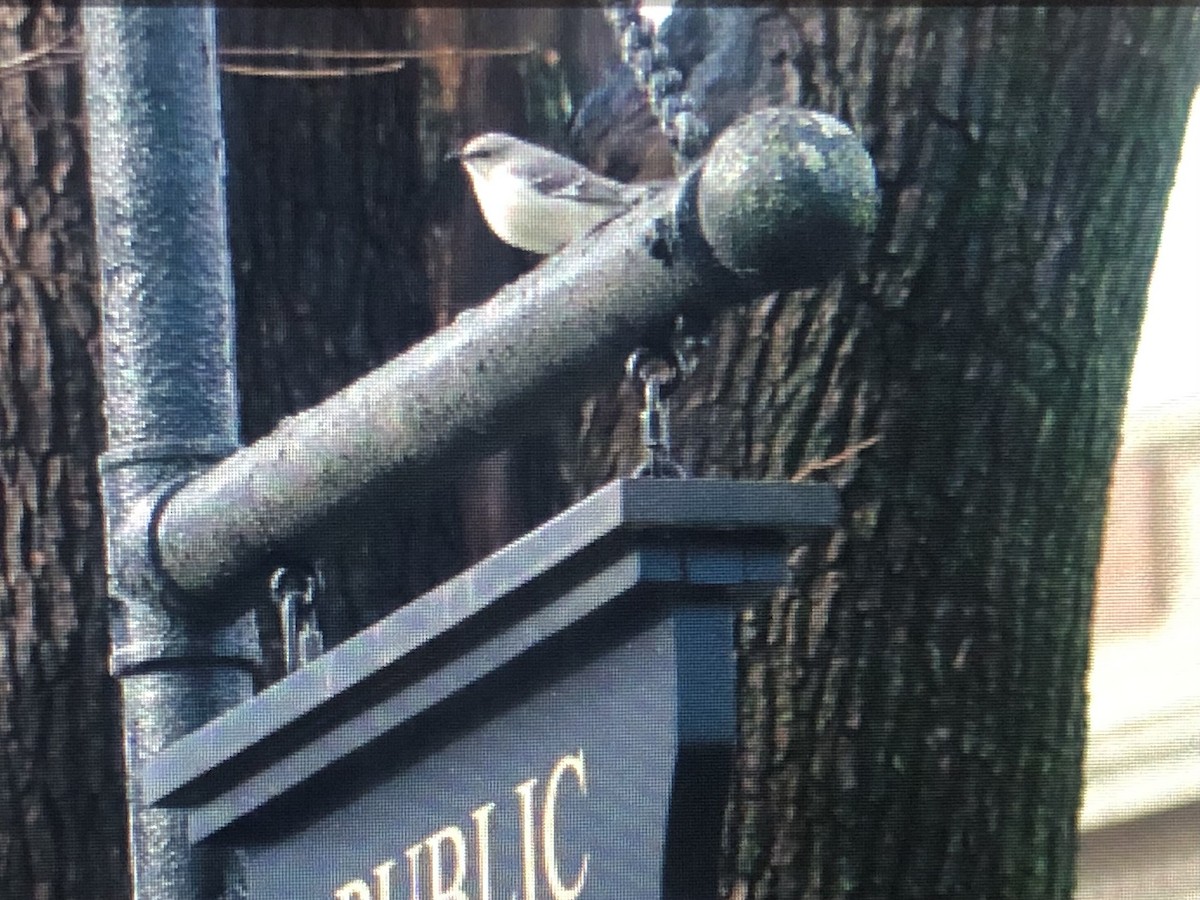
{"x": 538, "y": 200}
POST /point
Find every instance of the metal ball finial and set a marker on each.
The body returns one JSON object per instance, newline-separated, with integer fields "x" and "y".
{"x": 787, "y": 195}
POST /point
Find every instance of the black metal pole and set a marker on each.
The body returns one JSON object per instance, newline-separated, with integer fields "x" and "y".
{"x": 157, "y": 161}
{"x": 782, "y": 200}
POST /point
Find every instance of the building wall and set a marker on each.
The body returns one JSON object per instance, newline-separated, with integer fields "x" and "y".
{"x": 1140, "y": 820}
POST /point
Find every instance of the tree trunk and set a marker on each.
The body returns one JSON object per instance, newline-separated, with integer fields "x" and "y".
{"x": 913, "y": 706}
{"x": 62, "y": 807}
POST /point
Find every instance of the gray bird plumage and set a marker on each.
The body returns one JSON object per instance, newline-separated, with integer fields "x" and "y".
{"x": 536, "y": 199}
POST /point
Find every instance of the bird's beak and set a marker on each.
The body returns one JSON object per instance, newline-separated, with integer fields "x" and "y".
{"x": 455, "y": 155}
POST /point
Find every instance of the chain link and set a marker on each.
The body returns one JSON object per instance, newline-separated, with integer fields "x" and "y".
{"x": 293, "y": 590}
{"x": 649, "y": 60}
{"x": 659, "y": 380}
{"x": 688, "y": 134}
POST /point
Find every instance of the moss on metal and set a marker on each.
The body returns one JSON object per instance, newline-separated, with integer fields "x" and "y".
{"x": 788, "y": 191}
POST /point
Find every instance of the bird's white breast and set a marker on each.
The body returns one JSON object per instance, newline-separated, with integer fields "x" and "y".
{"x": 526, "y": 218}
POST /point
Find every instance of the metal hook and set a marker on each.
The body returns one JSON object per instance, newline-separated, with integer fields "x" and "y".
{"x": 296, "y": 602}
{"x": 658, "y": 382}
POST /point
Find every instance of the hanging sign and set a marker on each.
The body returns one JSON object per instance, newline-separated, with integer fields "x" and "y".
{"x": 555, "y": 723}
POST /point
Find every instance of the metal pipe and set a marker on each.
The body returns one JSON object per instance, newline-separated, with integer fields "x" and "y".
{"x": 798, "y": 183}
{"x": 170, "y": 404}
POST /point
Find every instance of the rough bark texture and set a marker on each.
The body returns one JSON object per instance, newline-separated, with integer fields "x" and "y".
{"x": 62, "y": 808}
{"x": 912, "y": 707}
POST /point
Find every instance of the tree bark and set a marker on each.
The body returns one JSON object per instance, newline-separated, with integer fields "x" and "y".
{"x": 62, "y": 807}
{"x": 913, "y": 708}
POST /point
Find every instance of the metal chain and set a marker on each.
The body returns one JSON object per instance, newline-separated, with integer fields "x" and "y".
{"x": 293, "y": 591}
{"x": 659, "y": 380}
{"x": 649, "y": 60}
{"x": 688, "y": 133}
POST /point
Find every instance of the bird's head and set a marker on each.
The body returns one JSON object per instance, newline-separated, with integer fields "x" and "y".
{"x": 485, "y": 151}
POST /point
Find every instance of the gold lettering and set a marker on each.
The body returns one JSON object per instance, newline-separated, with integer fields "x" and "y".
{"x": 448, "y": 852}
{"x": 483, "y": 849}
{"x": 574, "y": 763}
{"x": 524, "y": 792}
{"x": 383, "y": 879}
{"x": 414, "y": 871}
{"x": 438, "y": 890}
{"x": 353, "y": 890}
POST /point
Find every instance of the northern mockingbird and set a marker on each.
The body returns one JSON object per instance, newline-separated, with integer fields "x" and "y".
{"x": 535, "y": 199}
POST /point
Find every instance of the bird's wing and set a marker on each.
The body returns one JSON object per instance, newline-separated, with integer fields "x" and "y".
{"x": 567, "y": 180}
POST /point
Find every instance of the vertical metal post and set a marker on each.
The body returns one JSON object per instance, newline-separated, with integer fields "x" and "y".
{"x": 157, "y": 159}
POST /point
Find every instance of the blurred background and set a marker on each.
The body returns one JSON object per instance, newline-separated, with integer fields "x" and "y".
{"x": 1140, "y": 820}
